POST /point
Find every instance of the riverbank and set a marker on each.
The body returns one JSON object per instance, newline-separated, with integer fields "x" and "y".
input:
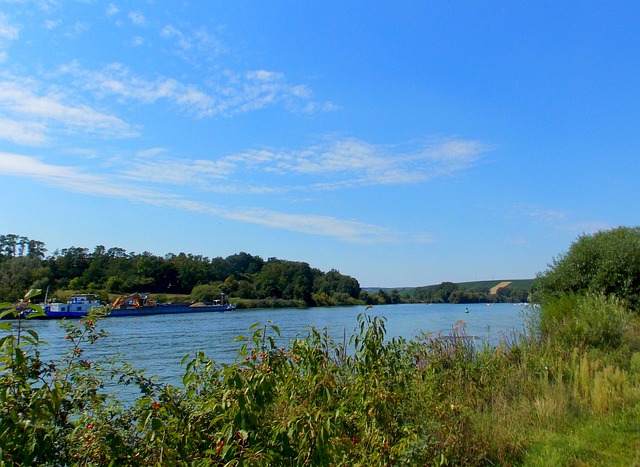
{"x": 416, "y": 401}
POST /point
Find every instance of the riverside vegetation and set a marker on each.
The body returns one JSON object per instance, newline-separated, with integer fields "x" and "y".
{"x": 566, "y": 392}
{"x": 248, "y": 281}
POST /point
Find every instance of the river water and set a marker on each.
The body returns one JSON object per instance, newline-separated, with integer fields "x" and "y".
{"x": 158, "y": 343}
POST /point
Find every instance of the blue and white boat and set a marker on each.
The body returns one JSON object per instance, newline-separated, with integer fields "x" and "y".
{"x": 77, "y": 307}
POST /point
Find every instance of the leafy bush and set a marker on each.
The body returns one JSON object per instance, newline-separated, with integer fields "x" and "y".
{"x": 590, "y": 320}
{"x": 607, "y": 262}
{"x": 205, "y": 293}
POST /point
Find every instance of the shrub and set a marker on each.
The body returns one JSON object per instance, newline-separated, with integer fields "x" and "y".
{"x": 590, "y": 320}
{"x": 205, "y": 293}
{"x": 607, "y": 262}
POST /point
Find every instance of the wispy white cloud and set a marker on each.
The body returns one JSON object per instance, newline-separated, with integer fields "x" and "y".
{"x": 327, "y": 226}
{"x": 561, "y": 222}
{"x": 51, "y": 24}
{"x": 137, "y": 18}
{"x": 8, "y": 31}
{"x": 540, "y": 214}
{"x": 151, "y": 152}
{"x": 34, "y": 112}
{"x": 585, "y": 227}
{"x": 112, "y": 10}
{"x": 194, "y": 46}
{"x": 177, "y": 172}
{"x": 79, "y": 181}
{"x": 78, "y": 28}
{"x": 71, "y": 178}
{"x": 27, "y": 133}
{"x": 334, "y": 165}
{"x": 236, "y": 93}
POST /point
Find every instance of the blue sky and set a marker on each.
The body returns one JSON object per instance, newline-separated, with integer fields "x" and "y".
{"x": 403, "y": 143}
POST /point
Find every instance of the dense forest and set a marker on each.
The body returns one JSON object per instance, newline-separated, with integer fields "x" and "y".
{"x": 274, "y": 282}
{"x": 245, "y": 279}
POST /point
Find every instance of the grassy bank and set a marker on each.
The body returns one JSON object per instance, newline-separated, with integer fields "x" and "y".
{"x": 535, "y": 399}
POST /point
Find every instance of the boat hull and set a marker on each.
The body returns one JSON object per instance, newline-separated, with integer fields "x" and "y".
{"x": 166, "y": 309}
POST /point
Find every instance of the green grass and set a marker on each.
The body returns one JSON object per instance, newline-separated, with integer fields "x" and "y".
{"x": 606, "y": 440}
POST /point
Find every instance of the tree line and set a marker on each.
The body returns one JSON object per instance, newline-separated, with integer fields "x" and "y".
{"x": 23, "y": 265}
{"x": 249, "y": 279}
{"x": 449, "y": 292}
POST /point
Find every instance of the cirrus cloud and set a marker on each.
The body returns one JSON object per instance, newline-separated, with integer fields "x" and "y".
{"x": 80, "y": 181}
{"x": 33, "y": 112}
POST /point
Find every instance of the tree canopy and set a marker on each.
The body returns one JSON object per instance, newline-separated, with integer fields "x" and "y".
{"x": 114, "y": 270}
{"x": 607, "y": 263}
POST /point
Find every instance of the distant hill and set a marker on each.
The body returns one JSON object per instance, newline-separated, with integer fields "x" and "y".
{"x": 501, "y": 290}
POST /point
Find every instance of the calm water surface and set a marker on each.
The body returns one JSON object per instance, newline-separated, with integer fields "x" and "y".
{"x": 158, "y": 343}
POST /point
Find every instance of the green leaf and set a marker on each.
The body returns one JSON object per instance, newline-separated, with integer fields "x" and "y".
{"x": 33, "y": 334}
{"x": 32, "y": 293}
{"x": 7, "y": 312}
{"x": 156, "y": 424}
{"x": 37, "y": 312}
{"x": 19, "y": 356}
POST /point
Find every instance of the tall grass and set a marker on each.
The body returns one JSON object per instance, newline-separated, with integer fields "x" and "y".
{"x": 542, "y": 398}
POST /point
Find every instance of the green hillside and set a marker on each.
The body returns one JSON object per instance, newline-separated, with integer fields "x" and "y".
{"x": 513, "y": 290}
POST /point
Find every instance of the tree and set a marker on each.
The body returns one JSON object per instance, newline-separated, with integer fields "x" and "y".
{"x": 9, "y": 245}
{"x": 333, "y": 282}
{"x": 19, "y": 274}
{"x": 36, "y": 249}
{"x": 383, "y": 297}
{"x": 607, "y": 263}
{"x": 206, "y": 293}
{"x": 244, "y": 263}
